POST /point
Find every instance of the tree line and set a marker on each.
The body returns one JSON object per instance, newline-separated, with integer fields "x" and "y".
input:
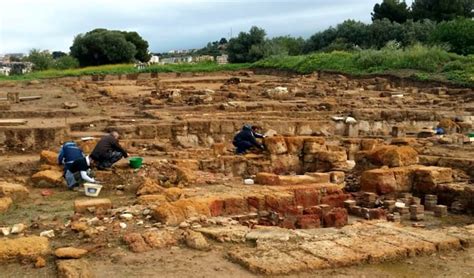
{"x": 433, "y": 22}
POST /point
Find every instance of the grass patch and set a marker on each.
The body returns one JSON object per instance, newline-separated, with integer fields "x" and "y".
{"x": 126, "y": 69}
{"x": 421, "y": 62}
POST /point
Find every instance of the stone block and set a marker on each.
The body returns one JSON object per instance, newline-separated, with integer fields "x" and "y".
{"x": 320, "y": 177}
{"x": 168, "y": 214}
{"x": 295, "y": 144}
{"x": 393, "y": 156}
{"x": 441, "y": 211}
{"x": 47, "y": 178}
{"x": 381, "y": 181}
{"x": 275, "y": 144}
{"x": 74, "y": 268}
{"x": 427, "y": 178}
{"x": 219, "y": 148}
{"x": 332, "y": 156}
{"x": 335, "y": 199}
{"x": 336, "y": 217}
{"x": 285, "y": 163}
{"x": 279, "y": 202}
{"x": 313, "y": 145}
{"x": 28, "y": 247}
{"x": 308, "y": 221}
{"x": 5, "y": 203}
{"x": 84, "y": 205}
{"x": 69, "y": 252}
{"x": 267, "y": 179}
{"x": 306, "y": 197}
{"x": 235, "y": 205}
{"x": 151, "y": 199}
{"x": 297, "y": 179}
{"x": 14, "y": 190}
{"x": 49, "y": 157}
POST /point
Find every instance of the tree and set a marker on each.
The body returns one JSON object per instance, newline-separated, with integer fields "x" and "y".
{"x": 58, "y": 54}
{"x": 393, "y": 10}
{"x": 292, "y": 46}
{"x": 102, "y": 46}
{"x": 66, "y": 62}
{"x": 439, "y": 10}
{"x": 222, "y": 41}
{"x": 42, "y": 60}
{"x": 458, "y": 34}
{"x": 239, "y": 48}
{"x": 141, "y": 46}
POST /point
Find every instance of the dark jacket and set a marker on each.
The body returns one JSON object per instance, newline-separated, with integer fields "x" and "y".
{"x": 247, "y": 135}
{"x": 68, "y": 153}
{"x": 105, "y": 146}
{"x": 79, "y": 165}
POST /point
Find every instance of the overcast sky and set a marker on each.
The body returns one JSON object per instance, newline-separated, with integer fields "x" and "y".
{"x": 166, "y": 25}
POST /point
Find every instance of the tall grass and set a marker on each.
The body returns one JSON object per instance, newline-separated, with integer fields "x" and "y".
{"x": 127, "y": 69}
{"x": 423, "y": 62}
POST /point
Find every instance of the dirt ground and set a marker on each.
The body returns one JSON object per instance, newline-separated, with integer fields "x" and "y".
{"x": 183, "y": 124}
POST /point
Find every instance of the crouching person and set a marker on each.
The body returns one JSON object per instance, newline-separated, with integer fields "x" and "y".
{"x": 246, "y": 139}
{"x": 108, "y": 151}
{"x": 79, "y": 172}
{"x": 68, "y": 153}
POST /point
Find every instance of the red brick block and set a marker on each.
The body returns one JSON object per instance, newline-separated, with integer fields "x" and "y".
{"x": 337, "y": 217}
{"x": 279, "y": 202}
{"x": 235, "y": 205}
{"x": 267, "y": 178}
{"x": 306, "y": 197}
{"x": 335, "y": 200}
{"x": 314, "y": 210}
{"x": 308, "y": 222}
{"x": 256, "y": 202}
{"x": 295, "y": 210}
{"x": 288, "y": 223}
{"x": 216, "y": 207}
{"x": 377, "y": 213}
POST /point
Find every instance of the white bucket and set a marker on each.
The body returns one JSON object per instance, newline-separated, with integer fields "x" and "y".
{"x": 91, "y": 189}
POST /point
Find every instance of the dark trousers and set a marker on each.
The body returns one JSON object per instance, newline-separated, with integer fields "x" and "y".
{"x": 242, "y": 146}
{"x": 109, "y": 159}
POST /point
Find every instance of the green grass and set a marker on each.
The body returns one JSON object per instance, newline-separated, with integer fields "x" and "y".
{"x": 419, "y": 62}
{"x": 126, "y": 69}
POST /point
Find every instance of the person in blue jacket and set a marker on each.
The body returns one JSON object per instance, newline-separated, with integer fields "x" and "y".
{"x": 247, "y": 138}
{"x": 68, "y": 153}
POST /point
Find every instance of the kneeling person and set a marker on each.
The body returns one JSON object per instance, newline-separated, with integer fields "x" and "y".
{"x": 108, "y": 151}
{"x": 246, "y": 139}
{"x": 78, "y": 172}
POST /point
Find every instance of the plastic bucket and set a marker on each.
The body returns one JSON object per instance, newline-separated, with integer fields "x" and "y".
{"x": 92, "y": 189}
{"x": 136, "y": 162}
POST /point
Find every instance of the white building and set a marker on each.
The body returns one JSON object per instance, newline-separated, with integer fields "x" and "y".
{"x": 154, "y": 59}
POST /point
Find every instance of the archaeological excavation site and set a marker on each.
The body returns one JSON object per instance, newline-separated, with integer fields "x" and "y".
{"x": 356, "y": 176}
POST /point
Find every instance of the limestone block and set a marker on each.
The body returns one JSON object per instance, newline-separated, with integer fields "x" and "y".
{"x": 47, "y": 178}
{"x": 276, "y": 144}
{"x": 49, "y": 157}
{"x": 14, "y": 190}
{"x": 84, "y": 204}
{"x": 23, "y": 247}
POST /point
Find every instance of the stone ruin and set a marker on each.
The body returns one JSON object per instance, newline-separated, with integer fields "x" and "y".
{"x": 352, "y": 172}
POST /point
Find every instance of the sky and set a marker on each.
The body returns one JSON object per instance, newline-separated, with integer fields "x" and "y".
{"x": 167, "y": 25}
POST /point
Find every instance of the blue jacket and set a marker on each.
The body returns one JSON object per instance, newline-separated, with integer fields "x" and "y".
{"x": 68, "y": 153}
{"x": 247, "y": 134}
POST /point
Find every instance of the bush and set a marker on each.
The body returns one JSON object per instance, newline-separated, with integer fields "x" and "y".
{"x": 66, "y": 62}
{"x": 458, "y": 34}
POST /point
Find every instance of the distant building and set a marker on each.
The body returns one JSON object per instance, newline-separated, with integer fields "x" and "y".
{"x": 203, "y": 58}
{"x": 154, "y": 59}
{"x": 223, "y": 59}
{"x": 177, "y": 60}
{"x": 18, "y": 68}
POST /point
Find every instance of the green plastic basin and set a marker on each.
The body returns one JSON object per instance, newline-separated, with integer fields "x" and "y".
{"x": 136, "y": 162}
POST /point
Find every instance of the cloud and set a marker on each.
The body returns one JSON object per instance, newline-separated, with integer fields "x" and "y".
{"x": 52, "y": 24}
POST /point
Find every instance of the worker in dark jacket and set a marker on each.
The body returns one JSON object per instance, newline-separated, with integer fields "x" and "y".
{"x": 108, "y": 151}
{"x": 79, "y": 172}
{"x": 246, "y": 139}
{"x": 68, "y": 153}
